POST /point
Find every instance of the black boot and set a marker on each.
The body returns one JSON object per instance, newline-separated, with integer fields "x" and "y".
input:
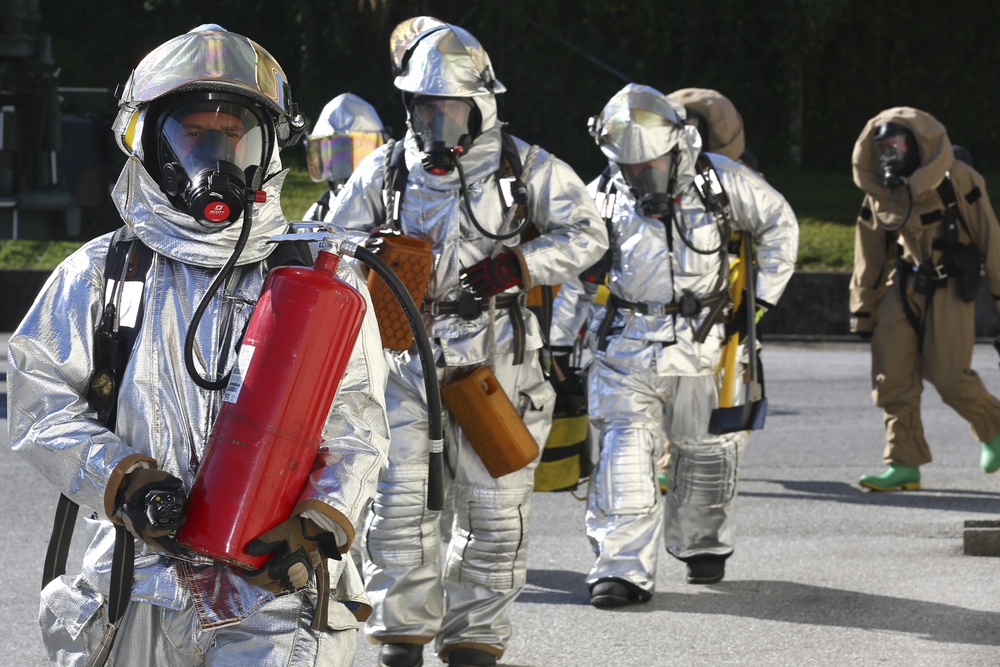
{"x": 609, "y": 593}
{"x": 706, "y": 570}
{"x": 401, "y": 655}
{"x": 471, "y": 657}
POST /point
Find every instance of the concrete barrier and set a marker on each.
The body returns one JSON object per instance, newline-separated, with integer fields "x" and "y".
{"x": 814, "y": 306}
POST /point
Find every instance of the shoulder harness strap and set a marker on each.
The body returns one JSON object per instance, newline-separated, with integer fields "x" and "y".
{"x": 128, "y": 262}
{"x": 946, "y": 191}
{"x": 394, "y": 181}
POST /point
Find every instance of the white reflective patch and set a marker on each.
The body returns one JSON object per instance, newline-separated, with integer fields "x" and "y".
{"x": 131, "y": 299}
{"x": 240, "y": 371}
{"x": 508, "y": 197}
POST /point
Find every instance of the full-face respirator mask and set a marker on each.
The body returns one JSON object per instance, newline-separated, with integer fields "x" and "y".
{"x": 209, "y": 152}
{"x": 898, "y": 154}
{"x": 444, "y": 128}
{"x": 652, "y": 184}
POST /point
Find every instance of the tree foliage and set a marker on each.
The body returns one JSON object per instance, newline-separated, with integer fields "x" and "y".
{"x": 805, "y": 74}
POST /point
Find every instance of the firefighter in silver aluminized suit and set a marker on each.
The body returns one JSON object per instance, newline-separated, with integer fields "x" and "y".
{"x": 475, "y": 314}
{"x": 348, "y": 129}
{"x": 657, "y": 346}
{"x": 202, "y": 104}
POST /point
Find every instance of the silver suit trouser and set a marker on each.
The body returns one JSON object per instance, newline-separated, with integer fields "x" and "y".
{"x": 632, "y": 410}
{"x": 464, "y": 600}
{"x": 276, "y": 635}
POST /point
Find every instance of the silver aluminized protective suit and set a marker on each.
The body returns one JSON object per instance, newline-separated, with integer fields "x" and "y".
{"x": 347, "y": 130}
{"x": 485, "y": 566}
{"x": 209, "y": 610}
{"x": 655, "y": 378}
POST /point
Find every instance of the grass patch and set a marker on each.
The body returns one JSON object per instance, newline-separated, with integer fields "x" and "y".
{"x": 23, "y": 254}
{"x": 298, "y": 193}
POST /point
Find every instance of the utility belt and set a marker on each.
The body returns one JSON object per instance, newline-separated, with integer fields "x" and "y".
{"x": 689, "y": 305}
{"x": 468, "y": 307}
{"x": 926, "y": 276}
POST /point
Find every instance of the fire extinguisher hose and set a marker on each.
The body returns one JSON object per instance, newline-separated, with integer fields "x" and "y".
{"x": 435, "y": 473}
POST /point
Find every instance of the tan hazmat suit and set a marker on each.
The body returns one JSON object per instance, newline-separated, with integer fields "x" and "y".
{"x": 920, "y": 335}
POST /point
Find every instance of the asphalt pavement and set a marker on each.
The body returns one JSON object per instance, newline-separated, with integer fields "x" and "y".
{"x": 824, "y": 573}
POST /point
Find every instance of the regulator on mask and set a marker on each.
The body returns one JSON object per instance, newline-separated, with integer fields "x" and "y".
{"x": 652, "y": 184}
{"x": 208, "y": 146}
{"x": 898, "y": 154}
{"x": 444, "y": 128}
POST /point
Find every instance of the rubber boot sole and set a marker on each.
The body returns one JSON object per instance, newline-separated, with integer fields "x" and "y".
{"x": 905, "y": 486}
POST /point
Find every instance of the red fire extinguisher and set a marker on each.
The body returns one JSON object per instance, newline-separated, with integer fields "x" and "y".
{"x": 269, "y": 429}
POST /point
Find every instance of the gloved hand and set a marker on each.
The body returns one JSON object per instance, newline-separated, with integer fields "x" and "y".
{"x": 492, "y": 275}
{"x": 298, "y": 545}
{"x": 864, "y": 335}
{"x": 151, "y": 504}
{"x": 378, "y": 235}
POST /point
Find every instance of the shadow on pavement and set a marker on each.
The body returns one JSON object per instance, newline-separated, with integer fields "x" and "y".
{"x": 791, "y": 602}
{"x": 945, "y": 499}
{"x": 555, "y": 587}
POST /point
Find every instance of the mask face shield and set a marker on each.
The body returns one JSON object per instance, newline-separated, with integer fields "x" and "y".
{"x": 206, "y": 145}
{"x": 651, "y": 183}
{"x": 444, "y": 129}
{"x": 334, "y": 157}
{"x": 897, "y": 154}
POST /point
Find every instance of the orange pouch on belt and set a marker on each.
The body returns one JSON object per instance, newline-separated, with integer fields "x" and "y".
{"x": 490, "y": 421}
{"x": 412, "y": 260}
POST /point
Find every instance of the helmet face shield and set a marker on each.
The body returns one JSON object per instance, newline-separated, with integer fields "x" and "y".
{"x": 651, "y": 183}
{"x": 437, "y": 58}
{"x": 210, "y": 59}
{"x": 334, "y": 157}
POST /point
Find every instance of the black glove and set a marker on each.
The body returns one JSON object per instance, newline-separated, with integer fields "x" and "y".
{"x": 151, "y": 504}
{"x": 298, "y": 545}
{"x": 492, "y": 275}
{"x": 738, "y": 321}
{"x": 378, "y": 235}
{"x": 864, "y": 335}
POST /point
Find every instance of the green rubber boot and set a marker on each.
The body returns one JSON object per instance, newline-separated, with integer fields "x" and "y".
{"x": 990, "y": 458}
{"x": 661, "y": 480}
{"x": 896, "y": 478}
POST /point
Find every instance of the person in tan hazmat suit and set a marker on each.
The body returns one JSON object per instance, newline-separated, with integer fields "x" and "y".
{"x": 931, "y": 213}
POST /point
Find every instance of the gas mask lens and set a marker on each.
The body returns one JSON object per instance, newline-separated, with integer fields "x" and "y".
{"x": 892, "y": 151}
{"x": 650, "y": 183}
{"x": 334, "y": 157}
{"x": 206, "y": 146}
{"x": 443, "y": 127}
{"x": 200, "y": 134}
{"x": 898, "y": 154}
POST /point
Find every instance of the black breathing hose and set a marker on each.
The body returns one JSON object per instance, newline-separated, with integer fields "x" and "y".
{"x": 435, "y": 464}
{"x": 472, "y": 216}
{"x": 223, "y": 275}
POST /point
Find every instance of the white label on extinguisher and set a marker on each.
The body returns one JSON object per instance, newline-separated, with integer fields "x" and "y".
{"x": 239, "y": 372}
